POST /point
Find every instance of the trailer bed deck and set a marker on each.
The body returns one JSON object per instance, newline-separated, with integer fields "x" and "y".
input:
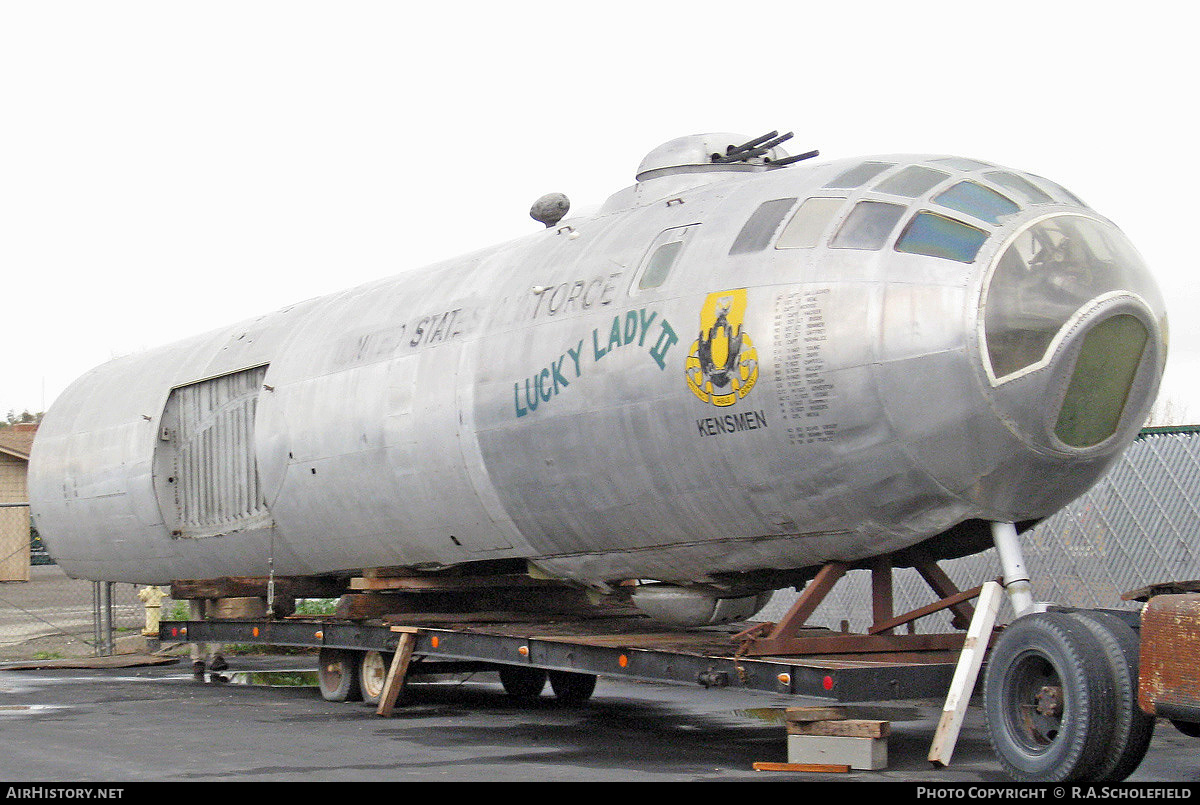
{"x": 624, "y": 647}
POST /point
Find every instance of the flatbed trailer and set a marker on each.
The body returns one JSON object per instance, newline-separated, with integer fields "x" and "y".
{"x": 1065, "y": 697}
{"x": 626, "y": 648}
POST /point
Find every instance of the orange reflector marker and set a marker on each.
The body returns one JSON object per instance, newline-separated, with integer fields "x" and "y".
{"x": 827, "y": 683}
{"x": 319, "y": 635}
{"x": 254, "y": 631}
{"x": 784, "y": 679}
{"x": 523, "y": 651}
{"x": 622, "y": 661}
{"x": 183, "y": 631}
{"x": 433, "y": 641}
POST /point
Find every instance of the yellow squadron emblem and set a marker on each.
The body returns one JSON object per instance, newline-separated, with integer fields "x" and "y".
{"x": 722, "y": 366}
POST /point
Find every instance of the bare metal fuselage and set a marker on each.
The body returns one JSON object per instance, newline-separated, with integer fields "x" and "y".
{"x": 779, "y": 389}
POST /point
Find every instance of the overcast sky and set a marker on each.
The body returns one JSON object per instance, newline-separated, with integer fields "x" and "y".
{"x": 168, "y": 168}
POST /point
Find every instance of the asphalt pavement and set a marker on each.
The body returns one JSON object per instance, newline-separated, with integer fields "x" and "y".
{"x": 157, "y": 723}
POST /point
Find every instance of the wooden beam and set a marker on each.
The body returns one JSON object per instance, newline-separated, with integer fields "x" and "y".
{"x": 814, "y": 713}
{"x": 256, "y": 587}
{"x": 811, "y": 768}
{"x": 843, "y": 728}
{"x": 397, "y": 671}
{"x": 965, "y": 674}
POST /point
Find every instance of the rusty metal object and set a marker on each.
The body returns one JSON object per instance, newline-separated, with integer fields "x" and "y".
{"x": 1169, "y": 666}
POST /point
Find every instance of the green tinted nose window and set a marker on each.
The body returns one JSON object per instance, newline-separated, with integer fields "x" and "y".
{"x": 1103, "y": 375}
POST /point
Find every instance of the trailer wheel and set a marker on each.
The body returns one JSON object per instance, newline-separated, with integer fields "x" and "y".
{"x": 521, "y": 682}
{"x": 1048, "y": 699}
{"x": 1188, "y": 728}
{"x": 337, "y": 675}
{"x": 372, "y": 675}
{"x": 1131, "y": 728}
{"x": 572, "y": 688}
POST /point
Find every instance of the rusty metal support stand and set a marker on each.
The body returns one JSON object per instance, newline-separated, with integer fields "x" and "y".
{"x": 881, "y": 592}
{"x": 784, "y": 637}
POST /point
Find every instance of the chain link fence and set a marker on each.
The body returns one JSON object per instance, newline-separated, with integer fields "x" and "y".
{"x": 52, "y": 616}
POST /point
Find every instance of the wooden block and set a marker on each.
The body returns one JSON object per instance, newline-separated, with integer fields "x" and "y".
{"x": 857, "y": 753}
{"x": 815, "y": 713}
{"x": 236, "y": 587}
{"x": 820, "y": 768}
{"x": 238, "y": 608}
{"x": 850, "y": 728}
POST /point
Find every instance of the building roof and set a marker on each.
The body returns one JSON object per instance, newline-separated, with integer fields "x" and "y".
{"x": 17, "y": 440}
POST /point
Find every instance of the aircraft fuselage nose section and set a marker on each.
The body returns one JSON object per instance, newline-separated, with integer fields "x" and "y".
{"x": 744, "y": 362}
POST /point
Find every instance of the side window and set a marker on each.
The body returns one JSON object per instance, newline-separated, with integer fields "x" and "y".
{"x": 662, "y": 256}
{"x": 757, "y": 232}
{"x": 808, "y": 223}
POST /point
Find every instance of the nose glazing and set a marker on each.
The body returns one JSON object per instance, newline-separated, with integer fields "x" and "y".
{"x": 1073, "y": 333}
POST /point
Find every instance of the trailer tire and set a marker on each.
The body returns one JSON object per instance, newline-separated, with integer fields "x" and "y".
{"x": 1132, "y": 729}
{"x": 572, "y": 688}
{"x": 372, "y": 675}
{"x": 337, "y": 675}
{"x": 521, "y": 682}
{"x": 1048, "y": 699}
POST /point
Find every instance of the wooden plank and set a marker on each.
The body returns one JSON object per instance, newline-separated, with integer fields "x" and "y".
{"x": 812, "y": 768}
{"x": 256, "y": 587}
{"x": 397, "y": 671}
{"x": 965, "y": 674}
{"x": 814, "y": 713}
{"x": 845, "y": 728}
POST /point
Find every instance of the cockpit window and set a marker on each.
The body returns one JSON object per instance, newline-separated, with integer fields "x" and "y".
{"x": 976, "y": 200}
{"x": 808, "y": 223}
{"x": 1049, "y": 271}
{"x": 662, "y": 255}
{"x": 859, "y": 174}
{"x": 660, "y": 264}
{"x": 913, "y": 181}
{"x": 761, "y": 226}
{"x": 938, "y": 236}
{"x": 868, "y": 226}
{"x": 1023, "y": 189}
